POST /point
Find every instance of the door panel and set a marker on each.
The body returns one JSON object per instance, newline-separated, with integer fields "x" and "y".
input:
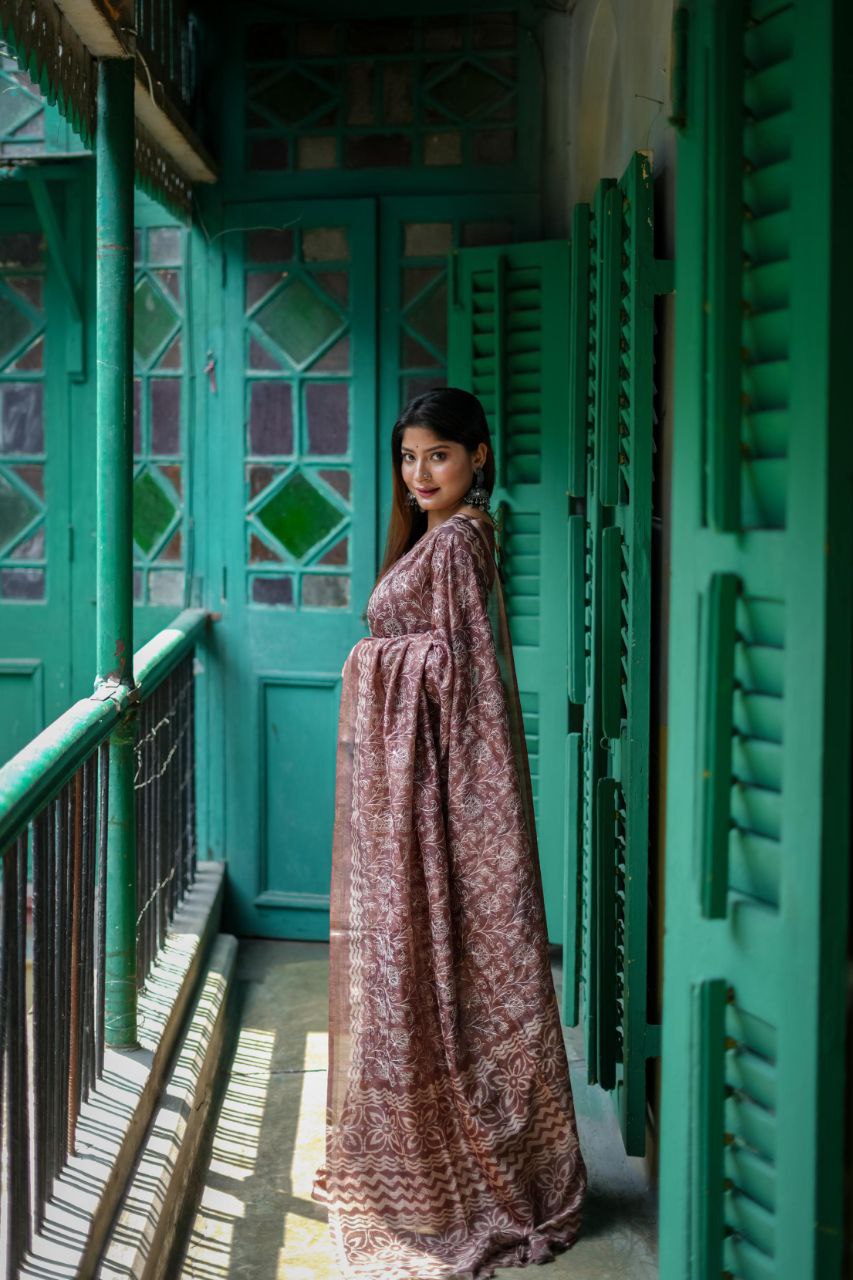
{"x": 297, "y": 475}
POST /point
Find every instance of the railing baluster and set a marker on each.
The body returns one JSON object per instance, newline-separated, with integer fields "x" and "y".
{"x": 101, "y": 901}
{"x": 40, "y": 1012}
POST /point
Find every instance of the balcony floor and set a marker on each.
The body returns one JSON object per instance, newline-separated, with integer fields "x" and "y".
{"x": 256, "y": 1218}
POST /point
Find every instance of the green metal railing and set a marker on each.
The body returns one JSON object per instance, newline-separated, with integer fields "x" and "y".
{"x": 57, "y": 800}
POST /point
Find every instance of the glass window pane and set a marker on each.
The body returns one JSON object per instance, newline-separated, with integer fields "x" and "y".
{"x": 336, "y": 359}
{"x": 298, "y": 320}
{"x": 269, "y": 246}
{"x": 429, "y": 316}
{"x": 171, "y": 282}
{"x": 164, "y": 244}
{"x": 397, "y": 93}
{"x": 494, "y": 146}
{"x": 153, "y": 319}
{"x": 338, "y": 554}
{"x": 416, "y": 279}
{"x": 172, "y": 472}
{"x": 468, "y": 91}
{"x": 260, "y": 358}
{"x": 298, "y": 516}
{"x": 378, "y": 151}
{"x": 166, "y": 587}
{"x": 443, "y": 148}
{"x": 290, "y": 97}
{"x": 325, "y": 244}
{"x": 153, "y": 511}
{"x": 21, "y": 249}
{"x": 172, "y": 549}
{"x": 339, "y": 480}
{"x": 269, "y": 154}
{"x": 495, "y": 31}
{"x": 417, "y": 386}
{"x": 138, "y": 585}
{"x": 314, "y": 152}
{"x": 270, "y": 417}
{"x": 29, "y": 287}
{"x": 259, "y": 284}
{"x": 259, "y": 552}
{"x": 360, "y": 101}
{"x": 137, "y": 415}
{"x": 442, "y": 35}
{"x": 21, "y": 417}
{"x": 267, "y": 40}
{"x": 427, "y": 239}
{"x": 335, "y": 283}
{"x": 31, "y": 360}
{"x": 328, "y": 591}
{"x": 272, "y": 590}
{"x": 260, "y": 477}
{"x": 32, "y": 475}
{"x": 382, "y": 36}
{"x": 22, "y": 584}
{"x": 327, "y": 411}
{"x": 31, "y": 548}
{"x": 14, "y": 325}
{"x": 416, "y": 356}
{"x": 16, "y": 510}
{"x": 171, "y": 357}
{"x": 318, "y": 38}
{"x": 165, "y": 415}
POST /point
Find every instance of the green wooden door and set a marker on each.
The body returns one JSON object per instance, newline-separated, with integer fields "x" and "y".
{"x": 35, "y": 527}
{"x": 757, "y": 835}
{"x": 509, "y": 344}
{"x": 293, "y": 486}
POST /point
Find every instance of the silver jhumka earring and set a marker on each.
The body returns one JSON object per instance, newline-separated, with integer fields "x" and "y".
{"x": 412, "y": 500}
{"x": 477, "y": 495}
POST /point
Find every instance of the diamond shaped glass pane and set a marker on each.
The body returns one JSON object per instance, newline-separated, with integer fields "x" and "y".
{"x": 16, "y": 510}
{"x": 468, "y": 91}
{"x": 298, "y": 516}
{"x": 153, "y": 319}
{"x": 22, "y": 417}
{"x": 291, "y": 97}
{"x": 152, "y": 511}
{"x": 298, "y": 321}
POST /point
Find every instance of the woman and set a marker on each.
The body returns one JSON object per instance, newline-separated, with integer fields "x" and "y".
{"x": 451, "y": 1144}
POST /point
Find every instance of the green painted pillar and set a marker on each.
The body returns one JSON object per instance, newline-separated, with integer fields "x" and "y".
{"x": 114, "y": 347}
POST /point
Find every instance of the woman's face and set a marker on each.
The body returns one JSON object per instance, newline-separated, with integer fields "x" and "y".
{"x": 438, "y": 472}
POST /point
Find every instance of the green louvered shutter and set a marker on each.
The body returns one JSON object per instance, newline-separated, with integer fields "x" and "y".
{"x": 758, "y": 813}
{"x": 614, "y": 279}
{"x": 508, "y": 343}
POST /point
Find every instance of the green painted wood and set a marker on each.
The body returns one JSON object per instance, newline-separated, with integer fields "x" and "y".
{"x": 508, "y": 344}
{"x": 774, "y": 1065}
{"x": 572, "y": 896}
{"x": 718, "y": 658}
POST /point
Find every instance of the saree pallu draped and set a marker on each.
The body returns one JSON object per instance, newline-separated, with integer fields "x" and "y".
{"x": 451, "y": 1143}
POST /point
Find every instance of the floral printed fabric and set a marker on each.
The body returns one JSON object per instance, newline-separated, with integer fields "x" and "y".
{"x": 451, "y": 1143}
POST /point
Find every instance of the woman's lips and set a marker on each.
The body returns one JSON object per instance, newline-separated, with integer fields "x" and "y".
{"x": 426, "y": 492}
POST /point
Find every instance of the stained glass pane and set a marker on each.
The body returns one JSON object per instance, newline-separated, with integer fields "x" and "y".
{"x": 339, "y": 480}
{"x": 164, "y": 245}
{"x": 137, "y": 246}
{"x": 318, "y": 38}
{"x": 441, "y": 35}
{"x": 338, "y": 554}
{"x": 416, "y": 279}
{"x": 14, "y": 107}
{"x": 494, "y": 146}
{"x": 260, "y": 358}
{"x": 31, "y": 360}
{"x": 468, "y": 91}
{"x": 22, "y": 584}
{"x": 360, "y": 101}
{"x": 270, "y": 417}
{"x": 272, "y": 590}
{"x": 31, "y": 548}
{"x": 29, "y": 287}
{"x": 21, "y": 249}
{"x": 172, "y": 549}
{"x": 32, "y": 475}
{"x": 153, "y": 319}
{"x": 152, "y": 511}
{"x": 335, "y": 283}
{"x": 443, "y": 148}
{"x": 171, "y": 357}
{"x": 298, "y": 516}
{"x": 336, "y": 359}
{"x": 397, "y": 93}
{"x": 260, "y": 553}
{"x": 495, "y": 31}
{"x": 171, "y": 282}
{"x": 269, "y": 154}
{"x": 137, "y": 415}
{"x": 416, "y": 356}
{"x": 269, "y": 246}
{"x": 327, "y": 410}
{"x": 165, "y": 415}
{"x": 325, "y": 244}
{"x": 328, "y": 591}
{"x": 14, "y": 325}
{"x": 138, "y": 586}
{"x": 429, "y": 316}
{"x": 259, "y": 284}
{"x": 378, "y": 151}
{"x": 314, "y": 152}
{"x": 166, "y": 587}
{"x": 298, "y": 320}
{"x": 427, "y": 239}
{"x": 291, "y": 96}
{"x": 21, "y": 417}
{"x": 16, "y": 510}
{"x": 172, "y": 472}
{"x": 260, "y": 477}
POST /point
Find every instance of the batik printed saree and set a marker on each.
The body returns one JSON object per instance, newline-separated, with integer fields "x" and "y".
{"x": 451, "y": 1144}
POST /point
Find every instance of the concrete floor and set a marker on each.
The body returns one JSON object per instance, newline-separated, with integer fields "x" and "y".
{"x": 256, "y": 1218}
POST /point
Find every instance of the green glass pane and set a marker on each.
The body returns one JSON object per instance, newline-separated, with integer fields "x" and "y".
{"x": 15, "y": 106}
{"x": 291, "y": 97}
{"x": 153, "y": 320}
{"x": 468, "y": 91}
{"x": 14, "y": 326}
{"x": 429, "y": 316}
{"x": 152, "y": 511}
{"x": 16, "y": 511}
{"x": 298, "y": 321}
{"x": 298, "y": 516}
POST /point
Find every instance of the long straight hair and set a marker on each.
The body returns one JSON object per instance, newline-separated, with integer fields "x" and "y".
{"x": 453, "y": 415}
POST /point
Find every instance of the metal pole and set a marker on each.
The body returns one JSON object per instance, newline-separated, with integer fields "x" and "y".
{"x": 114, "y": 347}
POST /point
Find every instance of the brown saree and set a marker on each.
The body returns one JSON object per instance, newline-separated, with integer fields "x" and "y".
{"x": 451, "y": 1144}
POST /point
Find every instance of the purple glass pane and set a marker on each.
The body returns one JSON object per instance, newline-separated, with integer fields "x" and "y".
{"x": 327, "y": 409}
{"x": 33, "y": 476}
{"x": 29, "y": 287}
{"x": 259, "y": 284}
{"x": 260, "y": 553}
{"x": 416, "y": 356}
{"x": 32, "y": 360}
{"x": 31, "y": 548}
{"x": 339, "y": 480}
{"x": 171, "y": 357}
{"x": 378, "y": 151}
{"x": 335, "y": 283}
{"x": 269, "y": 154}
{"x": 272, "y": 590}
{"x": 21, "y": 417}
{"x": 336, "y": 359}
{"x": 172, "y": 549}
{"x": 165, "y": 415}
{"x": 172, "y": 472}
{"x": 137, "y": 581}
{"x": 137, "y": 415}
{"x": 260, "y": 477}
{"x": 22, "y": 584}
{"x": 270, "y": 417}
{"x": 269, "y": 246}
{"x": 260, "y": 358}
{"x": 338, "y": 554}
